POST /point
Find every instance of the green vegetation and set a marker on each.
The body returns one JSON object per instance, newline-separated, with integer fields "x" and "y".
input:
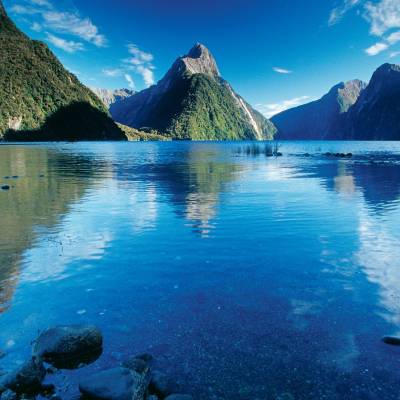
{"x": 35, "y": 91}
{"x": 208, "y": 111}
{"x": 135, "y": 135}
{"x": 199, "y": 107}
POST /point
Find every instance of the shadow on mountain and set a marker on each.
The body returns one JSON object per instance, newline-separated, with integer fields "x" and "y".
{"x": 38, "y": 197}
{"x": 77, "y": 121}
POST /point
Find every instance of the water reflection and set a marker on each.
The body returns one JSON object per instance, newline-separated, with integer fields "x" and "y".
{"x": 39, "y": 195}
{"x": 287, "y": 298}
{"x": 193, "y": 185}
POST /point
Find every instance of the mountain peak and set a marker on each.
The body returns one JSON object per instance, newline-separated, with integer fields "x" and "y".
{"x": 199, "y": 60}
{"x": 2, "y": 9}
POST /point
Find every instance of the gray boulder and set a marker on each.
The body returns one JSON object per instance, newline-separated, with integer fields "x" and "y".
{"x": 67, "y": 347}
{"x": 115, "y": 384}
{"x": 26, "y": 379}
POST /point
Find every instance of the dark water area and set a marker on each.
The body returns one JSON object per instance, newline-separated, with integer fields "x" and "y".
{"x": 247, "y": 277}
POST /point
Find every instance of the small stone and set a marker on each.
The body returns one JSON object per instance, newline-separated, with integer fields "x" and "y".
{"x": 161, "y": 385}
{"x": 392, "y": 340}
{"x": 68, "y": 347}
{"x": 8, "y": 395}
{"x": 27, "y": 378}
{"x": 114, "y": 384}
{"x": 179, "y": 397}
{"x": 5, "y": 187}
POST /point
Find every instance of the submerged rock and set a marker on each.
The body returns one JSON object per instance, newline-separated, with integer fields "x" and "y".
{"x": 161, "y": 385}
{"x": 114, "y": 384}
{"x": 26, "y": 379}
{"x": 392, "y": 340}
{"x": 8, "y": 395}
{"x": 179, "y": 397}
{"x": 67, "y": 347}
{"x": 136, "y": 364}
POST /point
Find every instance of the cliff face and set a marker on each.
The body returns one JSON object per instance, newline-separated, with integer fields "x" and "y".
{"x": 39, "y": 99}
{"x": 192, "y": 101}
{"x": 320, "y": 119}
{"x": 376, "y": 114}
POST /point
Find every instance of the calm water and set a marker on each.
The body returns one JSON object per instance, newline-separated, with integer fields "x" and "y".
{"x": 248, "y": 277}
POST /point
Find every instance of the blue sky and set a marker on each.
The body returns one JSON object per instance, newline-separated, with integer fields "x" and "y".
{"x": 276, "y": 54}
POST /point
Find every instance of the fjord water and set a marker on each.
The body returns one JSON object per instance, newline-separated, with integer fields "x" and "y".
{"x": 246, "y": 276}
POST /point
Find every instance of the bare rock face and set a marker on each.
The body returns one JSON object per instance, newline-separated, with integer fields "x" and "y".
{"x": 200, "y": 61}
{"x": 110, "y": 97}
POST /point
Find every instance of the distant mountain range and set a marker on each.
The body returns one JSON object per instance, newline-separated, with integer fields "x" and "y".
{"x": 194, "y": 102}
{"x": 350, "y": 111}
{"x": 39, "y": 99}
{"x": 110, "y": 97}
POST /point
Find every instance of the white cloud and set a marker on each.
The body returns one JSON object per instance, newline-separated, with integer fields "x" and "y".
{"x": 339, "y": 12}
{"x": 139, "y": 55}
{"x": 70, "y": 23}
{"x": 282, "y": 70}
{"x": 394, "y": 54}
{"x": 376, "y": 49}
{"x": 269, "y": 110}
{"x": 36, "y": 27}
{"x": 67, "y": 45}
{"x": 130, "y": 81}
{"x": 383, "y": 16}
{"x": 73, "y": 24}
{"x": 42, "y": 3}
{"x": 147, "y": 74}
{"x": 394, "y": 38}
{"x": 140, "y": 63}
{"x": 112, "y": 72}
{"x": 24, "y": 10}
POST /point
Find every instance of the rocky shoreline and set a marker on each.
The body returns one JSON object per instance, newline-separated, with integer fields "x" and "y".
{"x": 75, "y": 346}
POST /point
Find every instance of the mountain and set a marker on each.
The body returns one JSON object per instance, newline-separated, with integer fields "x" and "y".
{"x": 110, "y": 97}
{"x": 194, "y": 102}
{"x": 376, "y": 114}
{"x": 320, "y": 119}
{"x": 39, "y": 99}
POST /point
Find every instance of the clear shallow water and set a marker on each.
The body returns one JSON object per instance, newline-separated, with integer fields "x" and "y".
{"x": 248, "y": 277}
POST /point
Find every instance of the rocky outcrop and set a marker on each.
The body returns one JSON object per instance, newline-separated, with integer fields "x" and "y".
{"x": 320, "y": 119}
{"x": 193, "y": 101}
{"x": 110, "y": 97}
